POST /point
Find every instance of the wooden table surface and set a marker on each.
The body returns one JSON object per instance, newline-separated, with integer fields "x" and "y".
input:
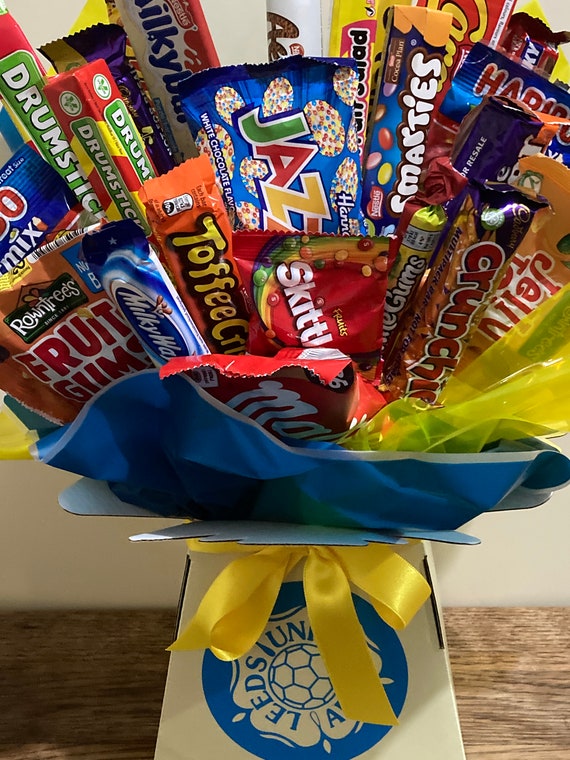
{"x": 88, "y": 685}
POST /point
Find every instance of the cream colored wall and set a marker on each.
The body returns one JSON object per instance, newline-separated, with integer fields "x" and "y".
{"x": 51, "y": 559}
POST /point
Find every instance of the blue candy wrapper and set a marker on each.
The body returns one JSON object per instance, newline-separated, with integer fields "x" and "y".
{"x": 34, "y": 202}
{"x": 282, "y": 140}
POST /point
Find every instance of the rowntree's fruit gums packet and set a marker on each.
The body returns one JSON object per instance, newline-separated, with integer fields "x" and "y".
{"x": 541, "y": 264}
{"x": 133, "y": 276}
{"x": 109, "y": 41}
{"x": 488, "y": 72}
{"x": 21, "y": 89}
{"x": 313, "y": 292}
{"x": 97, "y": 122}
{"x": 35, "y": 202}
{"x": 530, "y": 41}
{"x": 188, "y": 218}
{"x": 417, "y": 236}
{"x": 487, "y": 231}
{"x": 473, "y": 21}
{"x": 293, "y": 28}
{"x": 282, "y": 141}
{"x": 306, "y": 394}
{"x": 61, "y": 338}
{"x": 353, "y": 35}
{"x": 402, "y": 113}
{"x": 170, "y": 38}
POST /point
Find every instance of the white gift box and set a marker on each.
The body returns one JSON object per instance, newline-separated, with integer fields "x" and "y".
{"x": 277, "y": 701}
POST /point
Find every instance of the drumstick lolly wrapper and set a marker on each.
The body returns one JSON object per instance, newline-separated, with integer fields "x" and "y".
{"x": 97, "y": 122}
{"x": 21, "y": 88}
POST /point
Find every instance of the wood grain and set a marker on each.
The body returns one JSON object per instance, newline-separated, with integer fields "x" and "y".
{"x": 88, "y": 685}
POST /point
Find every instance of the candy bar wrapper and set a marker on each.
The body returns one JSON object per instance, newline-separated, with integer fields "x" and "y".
{"x": 541, "y": 264}
{"x": 132, "y": 275}
{"x": 530, "y": 41}
{"x": 170, "y": 38}
{"x": 21, "y": 89}
{"x": 353, "y": 35}
{"x": 303, "y": 394}
{"x": 495, "y": 134}
{"x": 402, "y": 113}
{"x": 62, "y": 339}
{"x": 98, "y": 124}
{"x": 483, "y": 237}
{"x": 417, "y": 236}
{"x": 282, "y": 141}
{"x": 109, "y": 41}
{"x": 488, "y": 72}
{"x": 473, "y": 20}
{"x": 35, "y": 203}
{"x": 293, "y": 28}
{"x": 314, "y": 292}
{"x": 188, "y": 218}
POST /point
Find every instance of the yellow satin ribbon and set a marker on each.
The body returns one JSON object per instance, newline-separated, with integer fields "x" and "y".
{"x": 236, "y": 608}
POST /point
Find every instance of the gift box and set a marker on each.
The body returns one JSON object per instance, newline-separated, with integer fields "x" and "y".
{"x": 278, "y": 702}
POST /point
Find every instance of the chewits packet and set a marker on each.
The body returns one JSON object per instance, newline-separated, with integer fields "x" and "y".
{"x": 313, "y": 291}
{"x": 484, "y": 235}
{"x": 488, "y": 72}
{"x": 35, "y": 202}
{"x": 282, "y": 140}
{"x": 61, "y": 338}
{"x": 541, "y": 264}
{"x": 188, "y": 218}
{"x": 313, "y": 394}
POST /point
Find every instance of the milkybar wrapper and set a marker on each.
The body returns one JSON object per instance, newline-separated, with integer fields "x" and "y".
{"x": 293, "y": 28}
{"x": 171, "y": 39}
{"x": 21, "y": 89}
{"x": 353, "y": 35}
{"x": 402, "y": 113}
{"x": 93, "y": 115}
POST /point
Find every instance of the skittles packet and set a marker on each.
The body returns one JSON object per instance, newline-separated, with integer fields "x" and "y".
{"x": 313, "y": 292}
{"x": 188, "y": 218}
{"x": 282, "y": 140}
{"x": 402, "y": 113}
{"x": 61, "y": 338}
{"x": 311, "y": 394}
{"x": 490, "y": 226}
{"x": 133, "y": 276}
{"x": 35, "y": 203}
{"x": 541, "y": 264}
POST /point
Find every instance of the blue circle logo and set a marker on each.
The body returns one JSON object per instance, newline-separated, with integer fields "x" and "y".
{"x": 278, "y": 699}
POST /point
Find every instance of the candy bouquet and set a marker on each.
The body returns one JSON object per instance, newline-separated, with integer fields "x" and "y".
{"x": 314, "y": 308}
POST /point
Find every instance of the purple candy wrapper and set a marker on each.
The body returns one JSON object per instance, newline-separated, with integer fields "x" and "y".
{"x": 487, "y": 72}
{"x": 109, "y": 41}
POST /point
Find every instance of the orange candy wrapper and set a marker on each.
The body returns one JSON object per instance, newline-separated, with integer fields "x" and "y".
{"x": 188, "y": 218}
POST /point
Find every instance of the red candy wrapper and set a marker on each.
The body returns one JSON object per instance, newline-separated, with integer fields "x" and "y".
{"x": 533, "y": 43}
{"x": 313, "y": 291}
{"x": 305, "y": 394}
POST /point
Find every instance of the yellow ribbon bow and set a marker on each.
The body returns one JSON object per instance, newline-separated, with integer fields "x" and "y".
{"x": 236, "y": 608}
